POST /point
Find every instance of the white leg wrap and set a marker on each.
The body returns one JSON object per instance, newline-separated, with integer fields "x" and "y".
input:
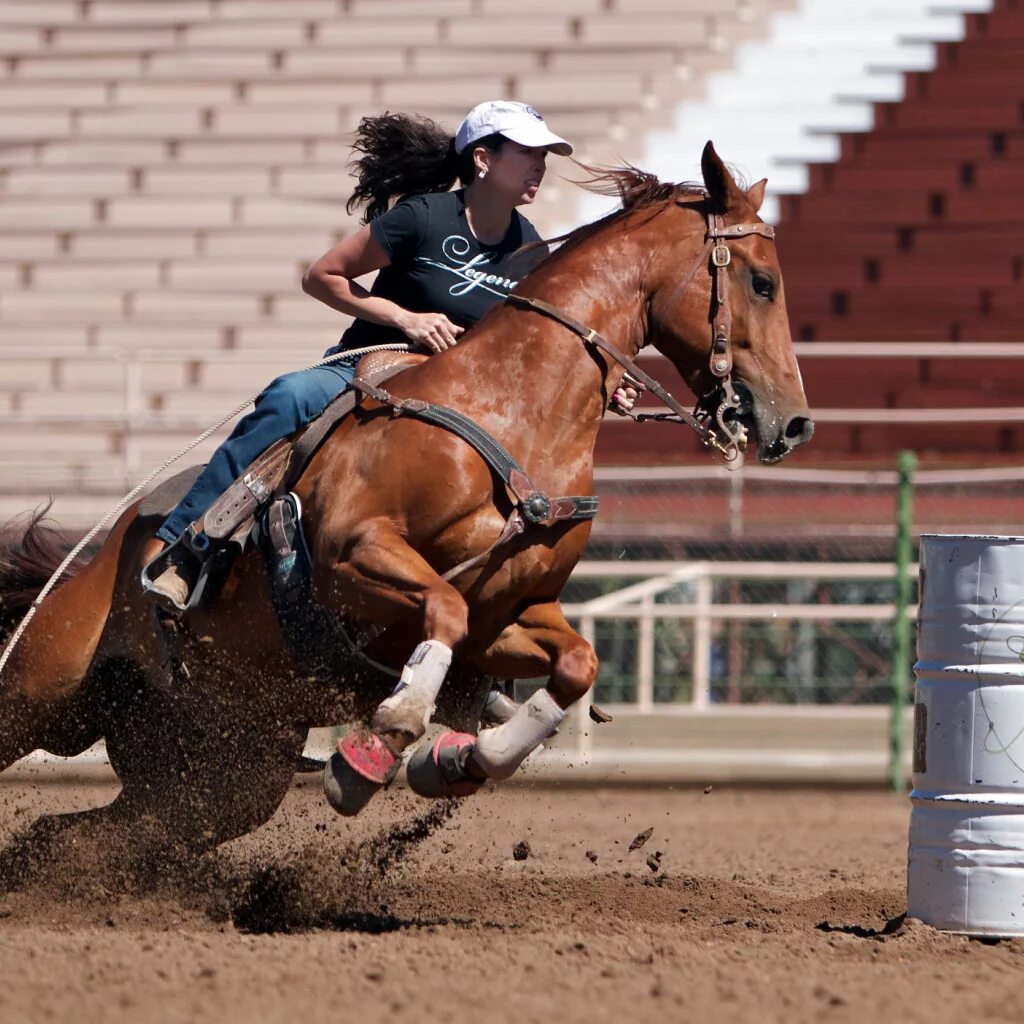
{"x": 500, "y": 751}
{"x": 412, "y": 701}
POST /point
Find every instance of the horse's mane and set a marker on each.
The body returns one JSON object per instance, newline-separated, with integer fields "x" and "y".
{"x": 636, "y": 190}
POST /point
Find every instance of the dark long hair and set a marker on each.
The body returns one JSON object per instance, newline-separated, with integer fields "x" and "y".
{"x": 407, "y": 155}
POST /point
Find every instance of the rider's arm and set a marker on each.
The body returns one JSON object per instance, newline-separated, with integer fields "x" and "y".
{"x": 332, "y": 280}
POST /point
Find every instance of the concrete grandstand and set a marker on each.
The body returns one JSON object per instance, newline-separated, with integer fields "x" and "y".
{"x": 169, "y": 168}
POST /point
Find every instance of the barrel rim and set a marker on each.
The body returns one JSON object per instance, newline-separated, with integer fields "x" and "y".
{"x": 1004, "y": 537}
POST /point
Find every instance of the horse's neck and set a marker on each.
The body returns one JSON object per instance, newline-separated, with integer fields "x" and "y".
{"x": 545, "y": 375}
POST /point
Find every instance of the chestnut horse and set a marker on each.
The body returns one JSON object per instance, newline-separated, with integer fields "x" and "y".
{"x": 389, "y": 505}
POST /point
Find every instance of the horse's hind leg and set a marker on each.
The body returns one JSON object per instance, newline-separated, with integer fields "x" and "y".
{"x": 182, "y": 794}
{"x": 45, "y": 670}
{"x": 385, "y": 581}
{"x": 148, "y": 830}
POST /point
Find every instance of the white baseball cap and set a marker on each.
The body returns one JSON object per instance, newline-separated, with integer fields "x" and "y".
{"x": 516, "y": 121}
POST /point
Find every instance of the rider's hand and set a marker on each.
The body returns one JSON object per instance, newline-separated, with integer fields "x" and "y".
{"x": 434, "y": 330}
{"x": 623, "y": 399}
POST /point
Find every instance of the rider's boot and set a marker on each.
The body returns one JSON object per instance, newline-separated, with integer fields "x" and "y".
{"x": 172, "y": 588}
{"x": 367, "y": 759}
{"x": 457, "y": 764}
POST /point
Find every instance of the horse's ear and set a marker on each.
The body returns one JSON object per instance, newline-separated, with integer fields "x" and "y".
{"x": 722, "y": 188}
{"x": 755, "y": 194}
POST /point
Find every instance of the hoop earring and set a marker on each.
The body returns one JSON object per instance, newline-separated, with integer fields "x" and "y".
{"x": 482, "y": 175}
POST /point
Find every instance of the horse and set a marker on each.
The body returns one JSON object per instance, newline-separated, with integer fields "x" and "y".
{"x": 207, "y": 733}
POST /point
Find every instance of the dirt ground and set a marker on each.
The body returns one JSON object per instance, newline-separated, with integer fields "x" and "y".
{"x": 766, "y": 905}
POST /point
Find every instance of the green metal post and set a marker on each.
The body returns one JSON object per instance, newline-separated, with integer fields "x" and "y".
{"x": 907, "y": 462}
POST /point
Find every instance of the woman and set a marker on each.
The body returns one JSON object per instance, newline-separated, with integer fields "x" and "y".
{"x": 444, "y": 259}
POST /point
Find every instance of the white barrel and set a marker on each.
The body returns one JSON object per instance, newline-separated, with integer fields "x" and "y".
{"x": 965, "y": 865}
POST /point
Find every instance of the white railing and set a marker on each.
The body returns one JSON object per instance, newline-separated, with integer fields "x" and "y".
{"x": 130, "y": 421}
{"x": 635, "y": 602}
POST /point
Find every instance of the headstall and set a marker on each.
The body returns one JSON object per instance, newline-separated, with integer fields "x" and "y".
{"x": 716, "y": 429}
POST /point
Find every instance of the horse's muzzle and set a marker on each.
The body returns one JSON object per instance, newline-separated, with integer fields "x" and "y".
{"x": 795, "y": 431}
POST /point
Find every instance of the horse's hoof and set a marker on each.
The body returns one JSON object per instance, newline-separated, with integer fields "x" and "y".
{"x": 346, "y": 790}
{"x": 438, "y": 769}
{"x": 368, "y": 755}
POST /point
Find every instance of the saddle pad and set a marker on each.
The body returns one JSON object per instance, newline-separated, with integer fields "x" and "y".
{"x": 166, "y": 495}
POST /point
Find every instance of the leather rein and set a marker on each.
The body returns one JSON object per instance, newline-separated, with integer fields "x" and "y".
{"x": 727, "y": 436}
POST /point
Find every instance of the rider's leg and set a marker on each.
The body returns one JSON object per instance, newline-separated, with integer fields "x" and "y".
{"x": 285, "y": 405}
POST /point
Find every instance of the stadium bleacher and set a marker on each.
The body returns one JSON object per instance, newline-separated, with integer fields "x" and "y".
{"x": 922, "y": 207}
{"x": 168, "y": 169}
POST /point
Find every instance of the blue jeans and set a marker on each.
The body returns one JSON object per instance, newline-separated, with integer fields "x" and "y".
{"x": 285, "y": 405}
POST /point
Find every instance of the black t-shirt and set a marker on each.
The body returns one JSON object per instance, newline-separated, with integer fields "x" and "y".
{"x": 438, "y": 266}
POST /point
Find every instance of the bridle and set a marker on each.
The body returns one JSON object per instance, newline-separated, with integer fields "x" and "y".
{"x": 716, "y": 428}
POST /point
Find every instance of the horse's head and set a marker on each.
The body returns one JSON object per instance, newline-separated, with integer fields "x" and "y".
{"x": 718, "y": 312}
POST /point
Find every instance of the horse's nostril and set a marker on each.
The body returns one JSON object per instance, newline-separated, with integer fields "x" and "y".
{"x": 799, "y": 430}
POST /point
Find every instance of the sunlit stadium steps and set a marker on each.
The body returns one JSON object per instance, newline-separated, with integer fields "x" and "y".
{"x": 260, "y": 276}
{"x": 148, "y": 128}
{"x": 816, "y": 73}
{"x": 280, "y": 244}
{"x": 219, "y": 49}
{"x": 300, "y": 340}
{"x": 158, "y": 46}
{"x": 185, "y": 307}
{"x": 167, "y": 26}
{"x": 174, "y": 212}
{"x": 940, "y": 171}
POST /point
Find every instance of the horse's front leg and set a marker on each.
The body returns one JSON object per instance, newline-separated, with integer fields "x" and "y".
{"x": 383, "y": 580}
{"x": 540, "y": 642}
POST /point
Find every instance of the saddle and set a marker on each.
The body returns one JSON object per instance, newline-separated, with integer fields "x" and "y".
{"x": 233, "y": 517}
{"x": 233, "y": 520}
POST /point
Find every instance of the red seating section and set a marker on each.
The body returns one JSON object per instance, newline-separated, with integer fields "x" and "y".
{"x": 916, "y": 234}
{"x": 918, "y": 231}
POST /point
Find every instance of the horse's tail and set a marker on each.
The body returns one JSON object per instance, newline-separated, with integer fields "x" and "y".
{"x": 27, "y": 565}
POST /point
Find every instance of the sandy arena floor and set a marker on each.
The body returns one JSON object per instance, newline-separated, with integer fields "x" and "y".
{"x": 767, "y": 905}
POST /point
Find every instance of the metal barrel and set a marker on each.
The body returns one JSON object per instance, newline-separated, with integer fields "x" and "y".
{"x": 965, "y": 863}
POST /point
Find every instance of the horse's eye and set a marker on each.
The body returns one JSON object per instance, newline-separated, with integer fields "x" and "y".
{"x": 763, "y": 285}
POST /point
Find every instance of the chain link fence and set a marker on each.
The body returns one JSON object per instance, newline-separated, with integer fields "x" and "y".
{"x": 776, "y": 629}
